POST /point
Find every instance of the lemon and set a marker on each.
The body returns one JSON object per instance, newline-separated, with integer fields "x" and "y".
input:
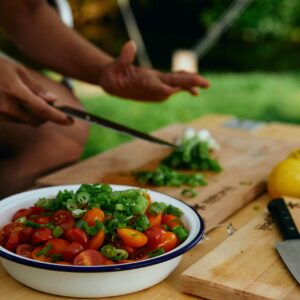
{"x": 284, "y": 179}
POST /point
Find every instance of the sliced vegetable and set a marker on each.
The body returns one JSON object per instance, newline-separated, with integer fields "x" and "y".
{"x": 132, "y": 237}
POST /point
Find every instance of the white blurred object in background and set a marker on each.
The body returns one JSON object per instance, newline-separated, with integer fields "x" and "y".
{"x": 185, "y": 60}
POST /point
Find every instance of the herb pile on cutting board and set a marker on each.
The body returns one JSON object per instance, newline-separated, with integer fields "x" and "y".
{"x": 194, "y": 152}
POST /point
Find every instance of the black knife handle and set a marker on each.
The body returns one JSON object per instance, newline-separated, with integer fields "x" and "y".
{"x": 282, "y": 216}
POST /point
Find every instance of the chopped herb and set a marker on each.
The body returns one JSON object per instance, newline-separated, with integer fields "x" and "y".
{"x": 32, "y": 224}
{"x": 45, "y": 250}
{"x": 156, "y": 252}
{"x": 191, "y": 193}
{"x": 57, "y": 232}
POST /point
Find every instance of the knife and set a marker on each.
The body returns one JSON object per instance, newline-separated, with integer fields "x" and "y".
{"x": 113, "y": 125}
{"x": 289, "y": 250}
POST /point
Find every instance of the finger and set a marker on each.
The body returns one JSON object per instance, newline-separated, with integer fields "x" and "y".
{"x": 162, "y": 92}
{"x": 38, "y": 106}
{"x": 126, "y": 56}
{"x": 10, "y": 109}
{"x": 36, "y": 88}
{"x": 194, "y": 91}
{"x": 184, "y": 80}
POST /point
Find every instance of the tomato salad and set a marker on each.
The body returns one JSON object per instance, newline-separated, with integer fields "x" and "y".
{"x": 94, "y": 226}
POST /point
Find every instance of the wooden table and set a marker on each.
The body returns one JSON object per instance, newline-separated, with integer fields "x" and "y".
{"x": 169, "y": 288}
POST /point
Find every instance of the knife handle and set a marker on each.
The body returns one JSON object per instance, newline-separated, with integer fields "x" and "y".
{"x": 282, "y": 216}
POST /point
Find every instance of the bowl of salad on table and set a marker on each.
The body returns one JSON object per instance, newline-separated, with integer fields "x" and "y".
{"x": 94, "y": 240}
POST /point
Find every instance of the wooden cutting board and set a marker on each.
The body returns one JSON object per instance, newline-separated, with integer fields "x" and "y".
{"x": 247, "y": 161}
{"x": 246, "y": 265}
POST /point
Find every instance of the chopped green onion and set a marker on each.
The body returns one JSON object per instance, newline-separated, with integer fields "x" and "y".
{"x": 189, "y": 193}
{"x": 120, "y": 254}
{"x": 83, "y": 197}
{"x": 45, "y": 250}
{"x": 181, "y": 232}
{"x": 32, "y": 224}
{"x": 77, "y": 213}
{"x": 108, "y": 251}
{"x": 120, "y": 206}
{"x": 156, "y": 252}
{"x": 142, "y": 223}
{"x": 48, "y": 225}
{"x": 21, "y": 220}
{"x": 44, "y": 203}
{"x": 157, "y": 207}
{"x": 57, "y": 231}
{"x": 172, "y": 210}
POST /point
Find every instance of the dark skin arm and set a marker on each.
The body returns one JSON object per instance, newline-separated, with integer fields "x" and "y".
{"x": 37, "y": 31}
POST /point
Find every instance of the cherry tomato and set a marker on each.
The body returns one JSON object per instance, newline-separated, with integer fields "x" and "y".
{"x": 89, "y": 257}
{"x": 154, "y": 220}
{"x": 71, "y": 251}
{"x": 155, "y": 236}
{"x": 67, "y": 225}
{"x": 42, "y": 257}
{"x": 132, "y": 237}
{"x": 25, "y": 234}
{"x": 20, "y": 213}
{"x": 62, "y": 216}
{"x": 92, "y": 215}
{"x": 77, "y": 235}
{"x": 12, "y": 227}
{"x": 97, "y": 240}
{"x": 2, "y": 238}
{"x": 41, "y": 235}
{"x": 25, "y": 250}
{"x": 170, "y": 220}
{"x": 13, "y": 241}
{"x": 44, "y": 219}
{"x": 58, "y": 246}
{"x": 170, "y": 241}
{"x": 34, "y": 210}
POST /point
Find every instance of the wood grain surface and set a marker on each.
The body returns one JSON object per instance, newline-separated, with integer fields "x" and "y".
{"x": 170, "y": 288}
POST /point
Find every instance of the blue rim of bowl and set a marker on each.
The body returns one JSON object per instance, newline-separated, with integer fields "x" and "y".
{"x": 112, "y": 268}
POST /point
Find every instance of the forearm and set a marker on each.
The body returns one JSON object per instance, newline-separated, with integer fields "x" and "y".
{"x": 37, "y": 31}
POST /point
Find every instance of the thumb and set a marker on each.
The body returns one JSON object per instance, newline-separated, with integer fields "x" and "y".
{"x": 126, "y": 56}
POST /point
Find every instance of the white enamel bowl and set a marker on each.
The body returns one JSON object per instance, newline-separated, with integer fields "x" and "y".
{"x": 94, "y": 281}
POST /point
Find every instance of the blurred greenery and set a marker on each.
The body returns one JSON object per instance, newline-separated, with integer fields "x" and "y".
{"x": 261, "y": 96}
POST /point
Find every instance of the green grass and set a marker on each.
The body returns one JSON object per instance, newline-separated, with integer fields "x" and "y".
{"x": 260, "y": 96}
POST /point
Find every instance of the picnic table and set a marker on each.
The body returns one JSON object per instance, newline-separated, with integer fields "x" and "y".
{"x": 218, "y": 234}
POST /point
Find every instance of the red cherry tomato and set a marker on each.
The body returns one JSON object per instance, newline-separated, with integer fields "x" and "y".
{"x": 44, "y": 219}
{"x": 170, "y": 241}
{"x": 58, "y": 246}
{"x": 34, "y": 210}
{"x": 155, "y": 236}
{"x": 25, "y": 234}
{"x": 20, "y": 213}
{"x": 97, "y": 240}
{"x": 67, "y": 225}
{"x": 92, "y": 215}
{"x": 2, "y": 238}
{"x": 25, "y": 250}
{"x": 77, "y": 235}
{"x": 12, "y": 228}
{"x": 71, "y": 251}
{"x": 132, "y": 237}
{"x": 154, "y": 220}
{"x": 35, "y": 255}
{"x": 62, "y": 216}
{"x": 13, "y": 241}
{"x": 89, "y": 257}
{"x": 170, "y": 220}
{"x": 41, "y": 235}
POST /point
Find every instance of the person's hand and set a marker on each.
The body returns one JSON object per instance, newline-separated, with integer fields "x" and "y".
{"x": 121, "y": 78}
{"x": 22, "y": 100}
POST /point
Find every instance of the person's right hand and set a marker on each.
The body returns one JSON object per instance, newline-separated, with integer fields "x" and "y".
{"x": 22, "y": 100}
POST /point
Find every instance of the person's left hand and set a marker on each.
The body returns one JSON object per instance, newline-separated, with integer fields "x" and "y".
{"x": 122, "y": 79}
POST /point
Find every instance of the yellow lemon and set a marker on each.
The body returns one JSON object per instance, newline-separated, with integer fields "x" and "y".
{"x": 284, "y": 179}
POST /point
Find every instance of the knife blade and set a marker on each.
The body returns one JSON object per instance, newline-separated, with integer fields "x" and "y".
{"x": 289, "y": 250}
{"x": 91, "y": 118}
